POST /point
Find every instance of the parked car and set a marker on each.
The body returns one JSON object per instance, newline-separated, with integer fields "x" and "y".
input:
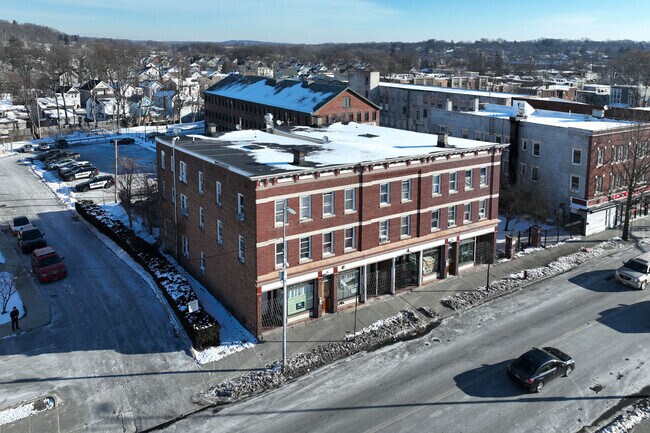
{"x": 105, "y": 181}
{"x": 61, "y": 143}
{"x": 17, "y": 223}
{"x": 125, "y": 140}
{"x": 73, "y": 166}
{"x": 58, "y": 163}
{"x": 31, "y": 238}
{"x": 47, "y": 265}
{"x": 634, "y": 272}
{"x": 48, "y": 154}
{"x": 80, "y": 173}
{"x": 26, "y": 148}
{"x": 535, "y": 368}
{"x": 73, "y": 163}
{"x": 61, "y": 154}
{"x": 44, "y": 146}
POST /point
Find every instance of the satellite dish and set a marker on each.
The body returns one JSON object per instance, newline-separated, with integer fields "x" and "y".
{"x": 238, "y": 127}
{"x": 279, "y": 122}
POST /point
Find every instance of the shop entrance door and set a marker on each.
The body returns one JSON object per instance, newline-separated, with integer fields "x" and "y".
{"x": 328, "y": 285}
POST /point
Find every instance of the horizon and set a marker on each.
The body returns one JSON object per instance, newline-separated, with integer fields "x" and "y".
{"x": 361, "y": 21}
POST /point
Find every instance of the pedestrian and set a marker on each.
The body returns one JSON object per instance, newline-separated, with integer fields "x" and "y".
{"x": 14, "y": 318}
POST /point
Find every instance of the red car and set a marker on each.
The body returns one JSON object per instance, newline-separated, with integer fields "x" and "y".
{"x": 47, "y": 265}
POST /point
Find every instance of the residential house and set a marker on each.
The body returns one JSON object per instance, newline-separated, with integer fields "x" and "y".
{"x": 370, "y": 211}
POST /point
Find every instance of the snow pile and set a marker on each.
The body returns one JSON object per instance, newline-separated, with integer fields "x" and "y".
{"x": 25, "y": 410}
{"x": 405, "y": 325}
{"x": 468, "y": 299}
{"x": 628, "y": 419}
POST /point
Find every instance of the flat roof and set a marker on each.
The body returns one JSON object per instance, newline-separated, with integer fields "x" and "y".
{"x": 470, "y": 92}
{"x": 258, "y": 154}
{"x": 558, "y": 119}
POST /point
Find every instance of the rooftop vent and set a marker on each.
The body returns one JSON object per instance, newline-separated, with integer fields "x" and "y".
{"x": 443, "y": 140}
{"x": 298, "y": 157}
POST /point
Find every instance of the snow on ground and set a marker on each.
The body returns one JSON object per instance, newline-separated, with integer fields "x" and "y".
{"x": 523, "y": 224}
{"x": 6, "y": 278}
{"x": 627, "y": 420}
{"x": 25, "y": 410}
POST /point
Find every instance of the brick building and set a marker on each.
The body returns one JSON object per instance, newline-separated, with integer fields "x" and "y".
{"x": 240, "y": 102}
{"x": 377, "y": 210}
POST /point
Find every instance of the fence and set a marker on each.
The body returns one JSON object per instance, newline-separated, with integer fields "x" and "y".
{"x": 548, "y": 237}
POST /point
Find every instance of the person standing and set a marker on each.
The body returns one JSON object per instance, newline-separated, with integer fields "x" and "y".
{"x": 14, "y": 318}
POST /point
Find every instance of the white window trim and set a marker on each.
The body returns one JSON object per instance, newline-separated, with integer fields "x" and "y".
{"x": 408, "y": 227}
{"x": 201, "y": 182}
{"x": 333, "y": 212}
{"x": 571, "y": 183}
{"x": 384, "y": 239}
{"x": 309, "y": 257}
{"x": 219, "y": 233}
{"x": 387, "y": 202}
{"x": 439, "y": 177}
{"x": 241, "y": 247}
{"x": 182, "y": 171}
{"x": 354, "y": 200}
{"x": 408, "y": 182}
{"x": 201, "y": 219}
{"x": 435, "y": 211}
{"x": 309, "y": 209}
{"x": 218, "y": 193}
{"x": 573, "y": 151}
{"x": 331, "y": 252}
{"x": 202, "y": 263}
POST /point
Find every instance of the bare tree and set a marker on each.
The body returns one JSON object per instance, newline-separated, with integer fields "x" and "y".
{"x": 7, "y": 289}
{"x": 515, "y": 201}
{"x": 128, "y": 170}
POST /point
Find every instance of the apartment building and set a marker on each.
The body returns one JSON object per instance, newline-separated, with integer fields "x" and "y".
{"x": 370, "y": 211}
{"x": 240, "y": 102}
{"x": 569, "y": 156}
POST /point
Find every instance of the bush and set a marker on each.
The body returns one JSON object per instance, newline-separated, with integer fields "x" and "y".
{"x": 202, "y": 328}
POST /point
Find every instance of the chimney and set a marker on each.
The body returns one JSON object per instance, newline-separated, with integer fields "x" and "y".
{"x": 298, "y": 157}
{"x": 443, "y": 140}
{"x": 268, "y": 120}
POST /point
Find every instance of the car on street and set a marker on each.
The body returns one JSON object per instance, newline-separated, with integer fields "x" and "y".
{"x": 26, "y": 148}
{"x": 635, "y": 272}
{"x": 80, "y": 173}
{"x": 44, "y": 146}
{"x": 61, "y": 143}
{"x": 31, "y": 238}
{"x": 535, "y": 368}
{"x": 47, "y": 265}
{"x": 105, "y": 181}
{"x": 125, "y": 140}
{"x": 17, "y": 223}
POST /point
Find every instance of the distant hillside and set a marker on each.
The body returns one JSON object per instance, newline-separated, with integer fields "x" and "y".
{"x": 30, "y": 33}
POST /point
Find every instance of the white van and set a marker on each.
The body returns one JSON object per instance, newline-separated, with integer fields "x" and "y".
{"x": 635, "y": 272}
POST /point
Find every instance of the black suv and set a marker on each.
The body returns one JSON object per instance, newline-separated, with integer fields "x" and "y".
{"x": 30, "y": 238}
{"x": 61, "y": 143}
{"x": 535, "y": 368}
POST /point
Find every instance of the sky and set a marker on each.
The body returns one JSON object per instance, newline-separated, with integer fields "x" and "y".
{"x": 323, "y": 21}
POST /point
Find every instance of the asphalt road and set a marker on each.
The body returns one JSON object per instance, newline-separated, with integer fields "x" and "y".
{"x": 454, "y": 380}
{"x": 111, "y": 355}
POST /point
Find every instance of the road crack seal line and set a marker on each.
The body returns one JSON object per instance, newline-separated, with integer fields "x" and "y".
{"x": 24, "y": 410}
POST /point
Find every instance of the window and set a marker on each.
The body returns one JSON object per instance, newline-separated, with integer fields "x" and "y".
{"x": 469, "y": 180}
{"x": 350, "y": 200}
{"x": 185, "y": 207}
{"x": 305, "y": 248}
{"x": 349, "y": 241}
{"x": 482, "y": 206}
{"x": 182, "y": 172}
{"x": 218, "y": 193}
{"x": 451, "y": 216}
{"x": 202, "y": 262}
{"x": 173, "y": 193}
{"x": 524, "y": 145}
{"x": 405, "y": 226}
{"x": 185, "y": 247}
{"x": 466, "y": 251}
{"x": 384, "y": 193}
{"x": 305, "y": 207}
{"x": 435, "y": 219}
{"x": 536, "y": 149}
{"x": 463, "y": 133}
{"x": 172, "y": 164}
{"x": 406, "y": 190}
{"x": 522, "y": 168}
{"x": 240, "y": 206}
{"x": 467, "y": 213}
{"x": 328, "y": 203}
{"x": 575, "y": 183}
{"x": 201, "y": 182}
{"x": 242, "y": 251}
{"x": 346, "y": 102}
{"x": 435, "y": 184}
{"x": 328, "y": 243}
{"x": 483, "y": 180}
{"x": 577, "y": 156}
{"x": 162, "y": 159}
{"x": 219, "y": 233}
{"x": 384, "y": 231}
{"x": 279, "y": 211}
{"x": 599, "y": 184}
{"x": 164, "y": 190}
{"x": 279, "y": 253}
{"x": 534, "y": 173}
{"x": 453, "y": 186}
{"x": 201, "y": 223}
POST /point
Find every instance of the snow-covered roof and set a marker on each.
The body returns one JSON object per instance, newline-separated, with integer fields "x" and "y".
{"x": 558, "y": 119}
{"x": 479, "y": 93}
{"x": 255, "y": 153}
{"x": 288, "y": 94}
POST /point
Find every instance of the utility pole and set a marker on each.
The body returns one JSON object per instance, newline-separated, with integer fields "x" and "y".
{"x": 115, "y": 144}
{"x": 285, "y": 209}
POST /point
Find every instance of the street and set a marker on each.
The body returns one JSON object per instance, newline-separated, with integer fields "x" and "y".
{"x": 454, "y": 380}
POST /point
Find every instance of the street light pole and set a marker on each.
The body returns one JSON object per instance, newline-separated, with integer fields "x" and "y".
{"x": 285, "y": 209}
{"x": 115, "y": 143}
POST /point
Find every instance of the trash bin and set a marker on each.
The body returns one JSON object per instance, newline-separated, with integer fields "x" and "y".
{"x": 535, "y": 236}
{"x": 510, "y": 247}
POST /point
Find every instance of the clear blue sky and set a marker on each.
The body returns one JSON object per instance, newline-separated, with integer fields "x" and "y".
{"x": 319, "y": 21}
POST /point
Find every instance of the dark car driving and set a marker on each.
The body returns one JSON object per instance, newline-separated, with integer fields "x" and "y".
{"x": 535, "y": 368}
{"x": 126, "y": 140}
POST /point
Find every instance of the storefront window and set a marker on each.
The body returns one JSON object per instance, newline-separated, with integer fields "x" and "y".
{"x": 466, "y": 252}
{"x": 348, "y": 284}
{"x": 430, "y": 261}
{"x": 300, "y": 297}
